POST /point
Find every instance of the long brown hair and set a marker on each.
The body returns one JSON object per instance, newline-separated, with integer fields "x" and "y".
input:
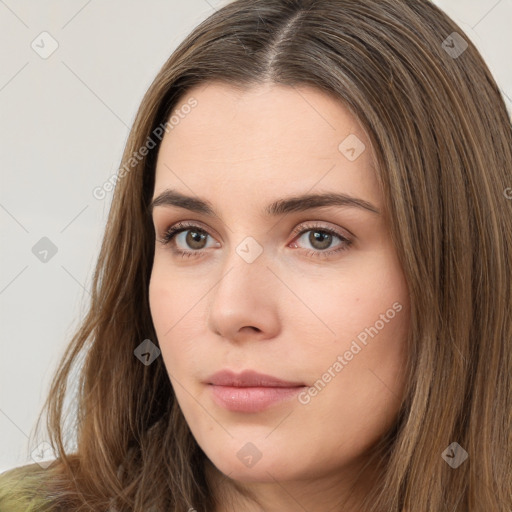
{"x": 442, "y": 140}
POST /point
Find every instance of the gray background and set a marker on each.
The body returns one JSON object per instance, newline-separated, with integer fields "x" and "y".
{"x": 65, "y": 120}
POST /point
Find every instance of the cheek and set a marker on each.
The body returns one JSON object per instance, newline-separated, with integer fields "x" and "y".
{"x": 159, "y": 299}
{"x": 170, "y": 296}
{"x": 176, "y": 310}
{"x": 365, "y": 299}
{"x": 360, "y": 360}
{"x": 165, "y": 310}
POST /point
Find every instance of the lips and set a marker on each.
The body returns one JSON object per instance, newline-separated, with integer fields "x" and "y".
{"x": 250, "y": 391}
{"x": 249, "y": 378}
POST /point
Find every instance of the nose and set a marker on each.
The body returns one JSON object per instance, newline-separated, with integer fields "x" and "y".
{"x": 245, "y": 302}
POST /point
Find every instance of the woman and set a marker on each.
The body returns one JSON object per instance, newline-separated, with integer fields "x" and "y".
{"x": 302, "y": 300}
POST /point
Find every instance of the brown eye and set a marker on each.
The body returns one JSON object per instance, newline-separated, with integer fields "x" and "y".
{"x": 189, "y": 245}
{"x": 320, "y": 239}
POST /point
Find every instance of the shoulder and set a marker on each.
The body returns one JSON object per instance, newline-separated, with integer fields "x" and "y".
{"x": 19, "y": 488}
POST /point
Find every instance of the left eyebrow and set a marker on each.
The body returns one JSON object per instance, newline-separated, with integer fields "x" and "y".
{"x": 299, "y": 203}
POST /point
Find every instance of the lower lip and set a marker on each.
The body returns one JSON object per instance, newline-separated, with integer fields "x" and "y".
{"x": 255, "y": 399}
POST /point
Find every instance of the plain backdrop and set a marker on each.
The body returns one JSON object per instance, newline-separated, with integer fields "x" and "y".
{"x": 65, "y": 117}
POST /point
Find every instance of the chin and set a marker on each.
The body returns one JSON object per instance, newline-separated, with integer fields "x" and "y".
{"x": 240, "y": 467}
{"x": 261, "y": 472}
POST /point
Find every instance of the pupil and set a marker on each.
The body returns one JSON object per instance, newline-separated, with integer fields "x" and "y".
{"x": 194, "y": 235}
{"x": 322, "y": 238}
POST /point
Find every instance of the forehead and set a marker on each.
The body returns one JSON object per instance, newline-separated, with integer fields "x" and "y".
{"x": 264, "y": 137}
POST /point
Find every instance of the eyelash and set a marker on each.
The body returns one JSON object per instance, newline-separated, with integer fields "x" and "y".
{"x": 171, "y": 233}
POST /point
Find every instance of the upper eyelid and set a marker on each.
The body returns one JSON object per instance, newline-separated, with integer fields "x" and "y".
{"x": 189, "y": 225}
{"x": 301, "y": 227}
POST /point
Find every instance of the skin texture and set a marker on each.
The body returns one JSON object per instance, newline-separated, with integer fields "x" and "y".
{"x": 289, "y": 313}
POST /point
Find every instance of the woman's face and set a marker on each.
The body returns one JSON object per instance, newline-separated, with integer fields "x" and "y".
{"x": 305, "y": 290}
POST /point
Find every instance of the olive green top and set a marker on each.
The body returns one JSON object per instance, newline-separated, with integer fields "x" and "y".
{"x": 18, "y": 489}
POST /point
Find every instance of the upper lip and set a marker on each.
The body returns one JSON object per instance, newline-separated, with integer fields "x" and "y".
{"x": 249, "y": 378}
